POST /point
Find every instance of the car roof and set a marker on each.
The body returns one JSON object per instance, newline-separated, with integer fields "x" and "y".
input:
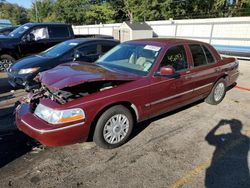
{"x": 86, "y": 40}
{"x": 45, "y": 23}
{"x": 167, "y": 41}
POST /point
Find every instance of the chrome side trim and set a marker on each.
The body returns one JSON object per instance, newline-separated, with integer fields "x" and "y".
{"x": 177, "y": 95}
{"x": 42, "y": 131}
{"x": 136, "y": 111}
{"x": 195, "y": 89}
{"x": 171, "y": 97}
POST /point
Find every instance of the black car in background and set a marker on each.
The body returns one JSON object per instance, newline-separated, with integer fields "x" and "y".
{"x": 6, "y": 30}
{"x": 22, "y": 73}
{"x": 33, "y": 38}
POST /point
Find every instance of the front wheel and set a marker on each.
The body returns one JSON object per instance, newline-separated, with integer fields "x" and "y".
{"x": 114, "y": 127}
{"x": 218, "y": 93}
{"x": 5, "y": 62}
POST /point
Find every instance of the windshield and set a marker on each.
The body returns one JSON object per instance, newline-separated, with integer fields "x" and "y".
{"x": 19, "y": 31}
{"x": 59, "y": 49}
{"x": 133, "y": 58}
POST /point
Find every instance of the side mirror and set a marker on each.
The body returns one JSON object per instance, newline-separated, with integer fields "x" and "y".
{"x": 169, "y": 71}
{"x": 77, "y": 56}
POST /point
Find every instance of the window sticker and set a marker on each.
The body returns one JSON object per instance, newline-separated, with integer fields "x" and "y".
{"x": 153, "y": 48}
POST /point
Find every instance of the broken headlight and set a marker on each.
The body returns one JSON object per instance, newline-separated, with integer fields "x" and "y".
{"x": 59, "y": 116}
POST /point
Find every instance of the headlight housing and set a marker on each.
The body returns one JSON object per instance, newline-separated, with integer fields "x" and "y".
{"x": 59, "y": 116}
{"x": 28, "y": 70}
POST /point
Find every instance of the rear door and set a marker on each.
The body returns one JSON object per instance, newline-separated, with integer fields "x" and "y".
{"x": 204, "y": 70}
{"x": 57, "y": 33}
{"x": 168, "y": 93}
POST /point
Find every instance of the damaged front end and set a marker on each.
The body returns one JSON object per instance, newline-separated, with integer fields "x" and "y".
{"x": 68, "y": 94}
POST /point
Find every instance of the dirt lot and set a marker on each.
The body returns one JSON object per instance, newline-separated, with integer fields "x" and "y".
{"x": 198, "y": 146}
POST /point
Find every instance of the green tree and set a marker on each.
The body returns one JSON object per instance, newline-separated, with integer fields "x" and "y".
{"x": 16, "y": 14}
{"x": 42, "y": 11}
{"x": 100, "y": 13}
{"x": 71, "y": 11}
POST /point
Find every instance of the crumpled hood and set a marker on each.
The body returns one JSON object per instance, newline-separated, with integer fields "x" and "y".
{"x": 71, "y": 74}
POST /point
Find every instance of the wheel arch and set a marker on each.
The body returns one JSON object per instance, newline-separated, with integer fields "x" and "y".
{"x": 130, "y": 106}
{"x": 224, "y": 76}
{"x": 10, "y": 53}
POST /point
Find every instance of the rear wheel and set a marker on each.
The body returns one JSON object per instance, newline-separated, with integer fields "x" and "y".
{"x": 114, "y": 127}
{"x": 5, "y": 62}
{"x": 218, "y": 93}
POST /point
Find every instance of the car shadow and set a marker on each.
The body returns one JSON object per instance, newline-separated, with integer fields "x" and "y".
{"x": 229, "y": 164}
{"x": 4, "y": 85}
{"x": 13, "y": 143}
{"x": 3, "y": 98}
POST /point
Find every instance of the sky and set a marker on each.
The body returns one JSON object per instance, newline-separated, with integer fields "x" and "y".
{"x": 24, "y": 3}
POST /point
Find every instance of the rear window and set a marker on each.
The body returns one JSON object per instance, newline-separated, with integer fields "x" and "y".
{"x": 59, "y": 32}
{"x": 198, "y": 55}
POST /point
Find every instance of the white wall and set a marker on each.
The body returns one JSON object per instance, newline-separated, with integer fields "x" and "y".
{"x": 224, "y": 31}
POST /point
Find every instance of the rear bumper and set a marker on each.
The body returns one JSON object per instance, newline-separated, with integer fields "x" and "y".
{"x": 47, "y": 134}
{"x": 233, "y": 78}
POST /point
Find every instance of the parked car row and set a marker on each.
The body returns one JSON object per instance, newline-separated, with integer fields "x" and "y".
{"x": 23, "y": 72}
{"x": 33, "y": 38}
{"x": 132, "y": 82}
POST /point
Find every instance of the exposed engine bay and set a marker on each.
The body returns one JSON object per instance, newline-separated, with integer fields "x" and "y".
{"x": 67, "y": 94}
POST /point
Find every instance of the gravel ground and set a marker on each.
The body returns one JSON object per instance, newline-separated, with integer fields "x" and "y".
{"x": 197, "y": 146}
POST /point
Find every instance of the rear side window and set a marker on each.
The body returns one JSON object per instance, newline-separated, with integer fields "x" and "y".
{"x": 199, "y": 58}
{"x": 210, "y": 58}
{"x": 59, "y": 32}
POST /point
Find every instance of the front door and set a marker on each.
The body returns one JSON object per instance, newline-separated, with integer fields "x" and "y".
{"x": 35, "y": 41}
{"x": 168, "y": 93}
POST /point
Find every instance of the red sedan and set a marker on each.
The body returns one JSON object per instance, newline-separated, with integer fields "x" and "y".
{"x": 134, "y": 81}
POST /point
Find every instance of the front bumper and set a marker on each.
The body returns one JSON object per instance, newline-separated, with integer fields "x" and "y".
{"x": 47, "y": 134}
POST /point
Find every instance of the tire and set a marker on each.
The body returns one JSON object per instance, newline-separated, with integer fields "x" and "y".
{"x": 218, "y": 93}
{"x": 5, "y": 62}
{"x": 116, "y": 134}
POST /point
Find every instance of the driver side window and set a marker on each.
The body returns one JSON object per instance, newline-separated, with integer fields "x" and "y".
{"x": 175, "y": 57}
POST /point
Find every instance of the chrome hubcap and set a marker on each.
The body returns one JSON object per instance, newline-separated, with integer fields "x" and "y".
{"x": 219, "y": 91}
{"x": 116, "y": 129}
{"x": 5, "y": 64}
